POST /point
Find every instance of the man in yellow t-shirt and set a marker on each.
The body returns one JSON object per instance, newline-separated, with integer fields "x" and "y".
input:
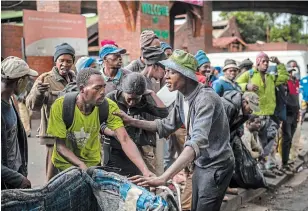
{"x": 79, "y": 145}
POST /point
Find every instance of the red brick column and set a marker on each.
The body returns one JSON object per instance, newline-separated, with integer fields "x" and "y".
{"x": 112, "y": 25}
{"x": 124, "y": 21}
{"x": 207, "y": 24}
{"x": 73, "y": 7}
{"x": 11, "y": 40}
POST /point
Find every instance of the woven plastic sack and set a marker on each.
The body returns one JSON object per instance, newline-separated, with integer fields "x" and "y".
{"x": 114, "y": 192}
{"x": 69, "y": 190}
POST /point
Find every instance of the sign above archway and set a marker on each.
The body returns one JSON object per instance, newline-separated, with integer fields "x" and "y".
{"x": 194, "y": 2}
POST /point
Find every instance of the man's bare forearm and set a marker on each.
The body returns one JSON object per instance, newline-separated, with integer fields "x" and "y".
{"x": 145, "y": 125}
{"x": 185, "y": 158}
{"x": 67, "y": 154}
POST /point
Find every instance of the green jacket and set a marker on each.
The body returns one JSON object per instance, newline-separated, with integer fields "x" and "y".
{"x": 266, "y": 92}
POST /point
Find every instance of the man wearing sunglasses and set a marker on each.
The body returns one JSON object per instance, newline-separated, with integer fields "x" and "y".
{"x": 112, "y": 71}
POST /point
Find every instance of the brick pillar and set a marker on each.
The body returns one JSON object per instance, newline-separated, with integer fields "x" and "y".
{"x": 47, "y": 6}
{"x": 73, "y": 7}
{"x": 124, "y": 21}
{"x": 112, "y": 25}
{"x": 207, "y": 24}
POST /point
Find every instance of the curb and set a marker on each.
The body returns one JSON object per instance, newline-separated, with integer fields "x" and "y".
{"x": 235, "y": 202}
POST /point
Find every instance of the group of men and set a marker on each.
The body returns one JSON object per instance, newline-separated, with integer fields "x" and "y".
{"x": 113, "y": 118}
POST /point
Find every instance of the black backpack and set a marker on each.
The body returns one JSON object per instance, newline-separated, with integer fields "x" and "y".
{"x": 70, "y": 93}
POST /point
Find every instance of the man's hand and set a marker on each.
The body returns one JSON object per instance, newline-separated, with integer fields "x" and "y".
{"x": 252, "y": 87}
{"x": 83, "y": 166}
{"x": 126, "y": 119}
{"x": 25, "y": 183}
{"x": 274, "y": 59}
{"x": 149, "y": 174}
{"x": 148, "y": 181}
{"x": 42, "y": 87}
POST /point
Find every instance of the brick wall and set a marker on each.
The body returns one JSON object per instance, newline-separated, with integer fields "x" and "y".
{"x": 184, "y": 37}
{"x": 73, "y": 7}
{"x": 40, "y": 63}
{"x": 113, "y": 24}
{"x": 11, "y": 40}
{"x": 47, "y": 6}
{"x": 276, "y": 47}
{"x": 11, "y": 46}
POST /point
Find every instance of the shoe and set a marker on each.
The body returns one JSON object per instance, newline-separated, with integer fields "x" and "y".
{"x": 226, "y": 198}
{"x": 286, "y": 171}
{"x": 277, "y": 172}
{"x": 268, "y": 174}
{"x": 232, "y": 191}
{"x": 289, "y": 167}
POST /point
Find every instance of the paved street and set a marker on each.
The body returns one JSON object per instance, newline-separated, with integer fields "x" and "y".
{"x": 37, "y": 154}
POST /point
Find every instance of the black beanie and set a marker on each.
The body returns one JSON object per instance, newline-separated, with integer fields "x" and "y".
{"x": 64, "y": 48}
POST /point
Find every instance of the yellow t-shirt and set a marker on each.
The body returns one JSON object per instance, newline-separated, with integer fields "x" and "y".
{"x": 83, "y": 137}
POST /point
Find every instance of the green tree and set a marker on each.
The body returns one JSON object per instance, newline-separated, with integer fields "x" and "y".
{"x": 290, "y": 32}
{"x": 256, "y": 26}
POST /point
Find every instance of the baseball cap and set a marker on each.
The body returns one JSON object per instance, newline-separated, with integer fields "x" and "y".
{"x": 13, "y": 67}
{"x": 110, "y": 49}
{"x": 252, "y": 100}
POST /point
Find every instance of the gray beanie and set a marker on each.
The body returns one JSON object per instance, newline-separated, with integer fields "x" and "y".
{"x": 64, "y": 48}
{"x": 153, "y": 55}
{"x": 134, "y": 83}
{"x": 246, "y": 63}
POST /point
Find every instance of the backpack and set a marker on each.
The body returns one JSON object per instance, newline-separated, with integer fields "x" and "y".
{"x": 70, "y": 93}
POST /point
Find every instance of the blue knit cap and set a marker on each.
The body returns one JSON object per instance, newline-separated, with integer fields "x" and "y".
{"x": 201, "y": 58}
{"x": 84, "y": 62}
{"x": 164, "y": 46}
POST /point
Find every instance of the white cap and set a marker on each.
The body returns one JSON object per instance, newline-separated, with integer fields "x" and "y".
{"x": 13, "y": 67}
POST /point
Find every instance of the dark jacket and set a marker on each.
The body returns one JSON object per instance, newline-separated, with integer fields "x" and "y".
{"x": 145, "y": 106}
{"x": 10, "y": 178}
{"x": 232, "y": 101}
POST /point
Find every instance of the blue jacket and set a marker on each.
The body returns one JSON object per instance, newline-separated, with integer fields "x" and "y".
{"x": 304, "y": 88}
{"x": 222, "y": 85}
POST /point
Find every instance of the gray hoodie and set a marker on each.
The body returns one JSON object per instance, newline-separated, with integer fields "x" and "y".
{"x": 208, "y": 129}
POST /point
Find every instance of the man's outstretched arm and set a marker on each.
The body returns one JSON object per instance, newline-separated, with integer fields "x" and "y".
{"x": 142, "y": 124}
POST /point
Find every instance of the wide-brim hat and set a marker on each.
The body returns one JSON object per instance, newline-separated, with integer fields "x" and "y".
{"x": 252, "y": 100}
{"x": 230, "y": 66}
{"x": 182, "y": 62}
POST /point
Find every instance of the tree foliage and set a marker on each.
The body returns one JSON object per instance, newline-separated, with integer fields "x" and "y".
{"x": 256, "y": 26}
